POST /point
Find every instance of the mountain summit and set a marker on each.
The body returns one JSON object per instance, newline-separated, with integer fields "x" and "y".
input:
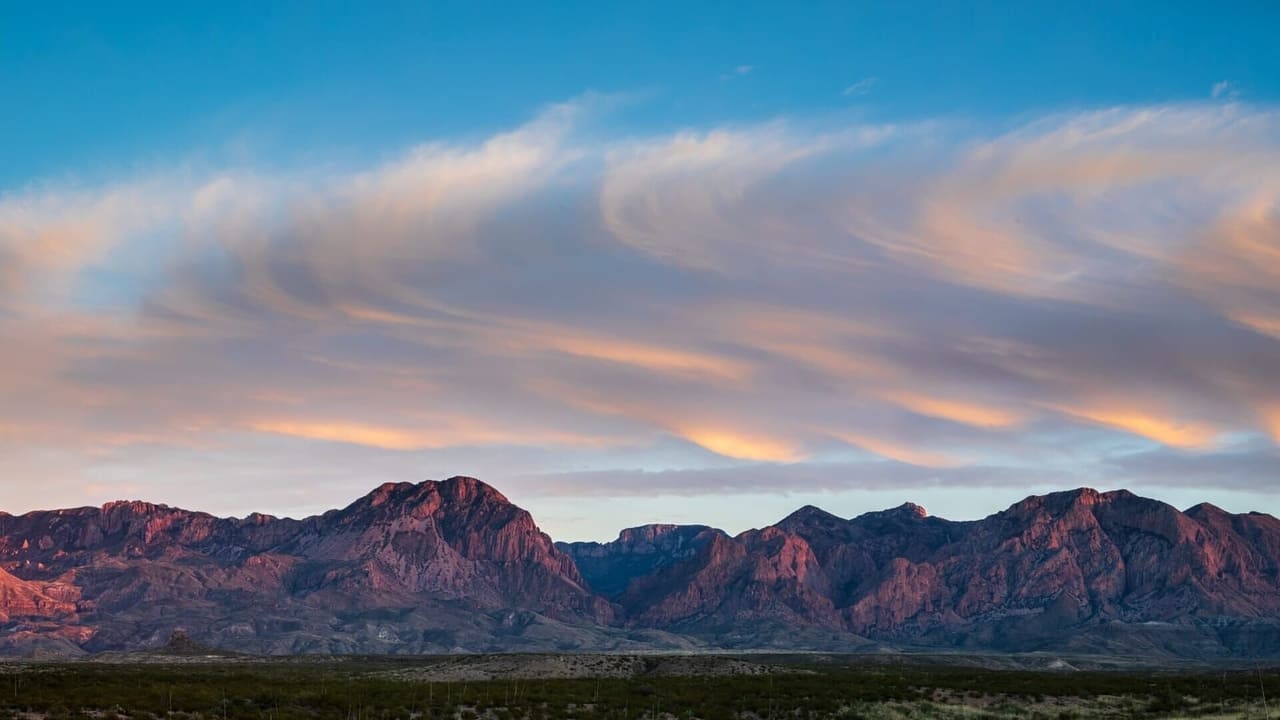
{"x": 455, "y": 566}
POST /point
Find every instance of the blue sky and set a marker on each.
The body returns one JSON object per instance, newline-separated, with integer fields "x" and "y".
{"x": 641, "y": 262}
{"x": 93, "y": 87}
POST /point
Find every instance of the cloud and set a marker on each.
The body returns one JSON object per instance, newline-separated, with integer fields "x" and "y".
{"x": 651, "y": 357}
{"x": 1224, "y": 89}
{"x": 959, "y": 411}
{"x": 707, "y": 200}
{"x": 740, "y": 446}
{"x": 861, "y": 87}
{"x": 1160, "y": 427}
{"x": 47, "y": 236}
{"x": 1250, "y": 467}
{"x": 423, "y": 435}
{"x": 902, "y": 452}
{"x": 763, "y": 479}
{"x": 745, "y": 305}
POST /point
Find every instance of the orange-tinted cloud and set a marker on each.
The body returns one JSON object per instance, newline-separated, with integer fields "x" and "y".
{"x": 741, "y": 445}
{"x": 1163, "y": 429}
{"x": 900, "y": 451}
{"x": 650, "y": 357}
{"x": 450, "y": 432}
{"x": 1269, "y": 415}
{"x": 967, "y": 413}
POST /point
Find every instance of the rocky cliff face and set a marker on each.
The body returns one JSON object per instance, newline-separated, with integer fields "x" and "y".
{"x": 454, "y": 565}
{"x": 19, "y": 598}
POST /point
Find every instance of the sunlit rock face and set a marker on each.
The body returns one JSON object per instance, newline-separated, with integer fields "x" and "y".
{"x": 455, "y": 566}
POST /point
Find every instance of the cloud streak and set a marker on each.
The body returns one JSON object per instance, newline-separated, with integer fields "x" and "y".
{"x": 861, "y": 87}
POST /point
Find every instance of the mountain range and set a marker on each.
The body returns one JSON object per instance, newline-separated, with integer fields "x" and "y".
{"x": 454, "y": 566}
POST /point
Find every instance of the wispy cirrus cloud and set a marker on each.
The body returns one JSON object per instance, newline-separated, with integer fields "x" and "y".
{"x": 861, "y": 87}
{"x": 753, "y": 301}
{"x": 1224, "y": 89}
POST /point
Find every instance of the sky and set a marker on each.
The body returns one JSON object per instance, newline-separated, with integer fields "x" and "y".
{"x": 639, "y": 262}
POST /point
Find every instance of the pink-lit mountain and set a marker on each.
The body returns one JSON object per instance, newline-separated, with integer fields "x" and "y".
{"x": 454, "y": 566}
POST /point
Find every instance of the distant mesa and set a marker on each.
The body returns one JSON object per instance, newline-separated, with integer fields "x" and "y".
{"x": 454, "y": 566}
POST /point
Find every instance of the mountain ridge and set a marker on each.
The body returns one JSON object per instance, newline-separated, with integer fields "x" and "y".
{"x": 254, "y": 516}
{"x": 455, "y": 566}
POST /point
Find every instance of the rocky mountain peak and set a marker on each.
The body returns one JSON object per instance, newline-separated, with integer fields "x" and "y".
{"x": 809, "y": 515}
{"x": 906, "y": 512}
{"x": 1203, "y": 511}
{"x": 657, "y": 534}
{"x": 135, "y": 507}
{"x": 389, "y": 492}
{"x": 912, "y": 509}
{"x": 461, "y": 488}
{"x": 424, "y": 499}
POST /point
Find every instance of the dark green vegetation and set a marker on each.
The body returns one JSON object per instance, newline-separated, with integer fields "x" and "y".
{"x": 368, "y": 689}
